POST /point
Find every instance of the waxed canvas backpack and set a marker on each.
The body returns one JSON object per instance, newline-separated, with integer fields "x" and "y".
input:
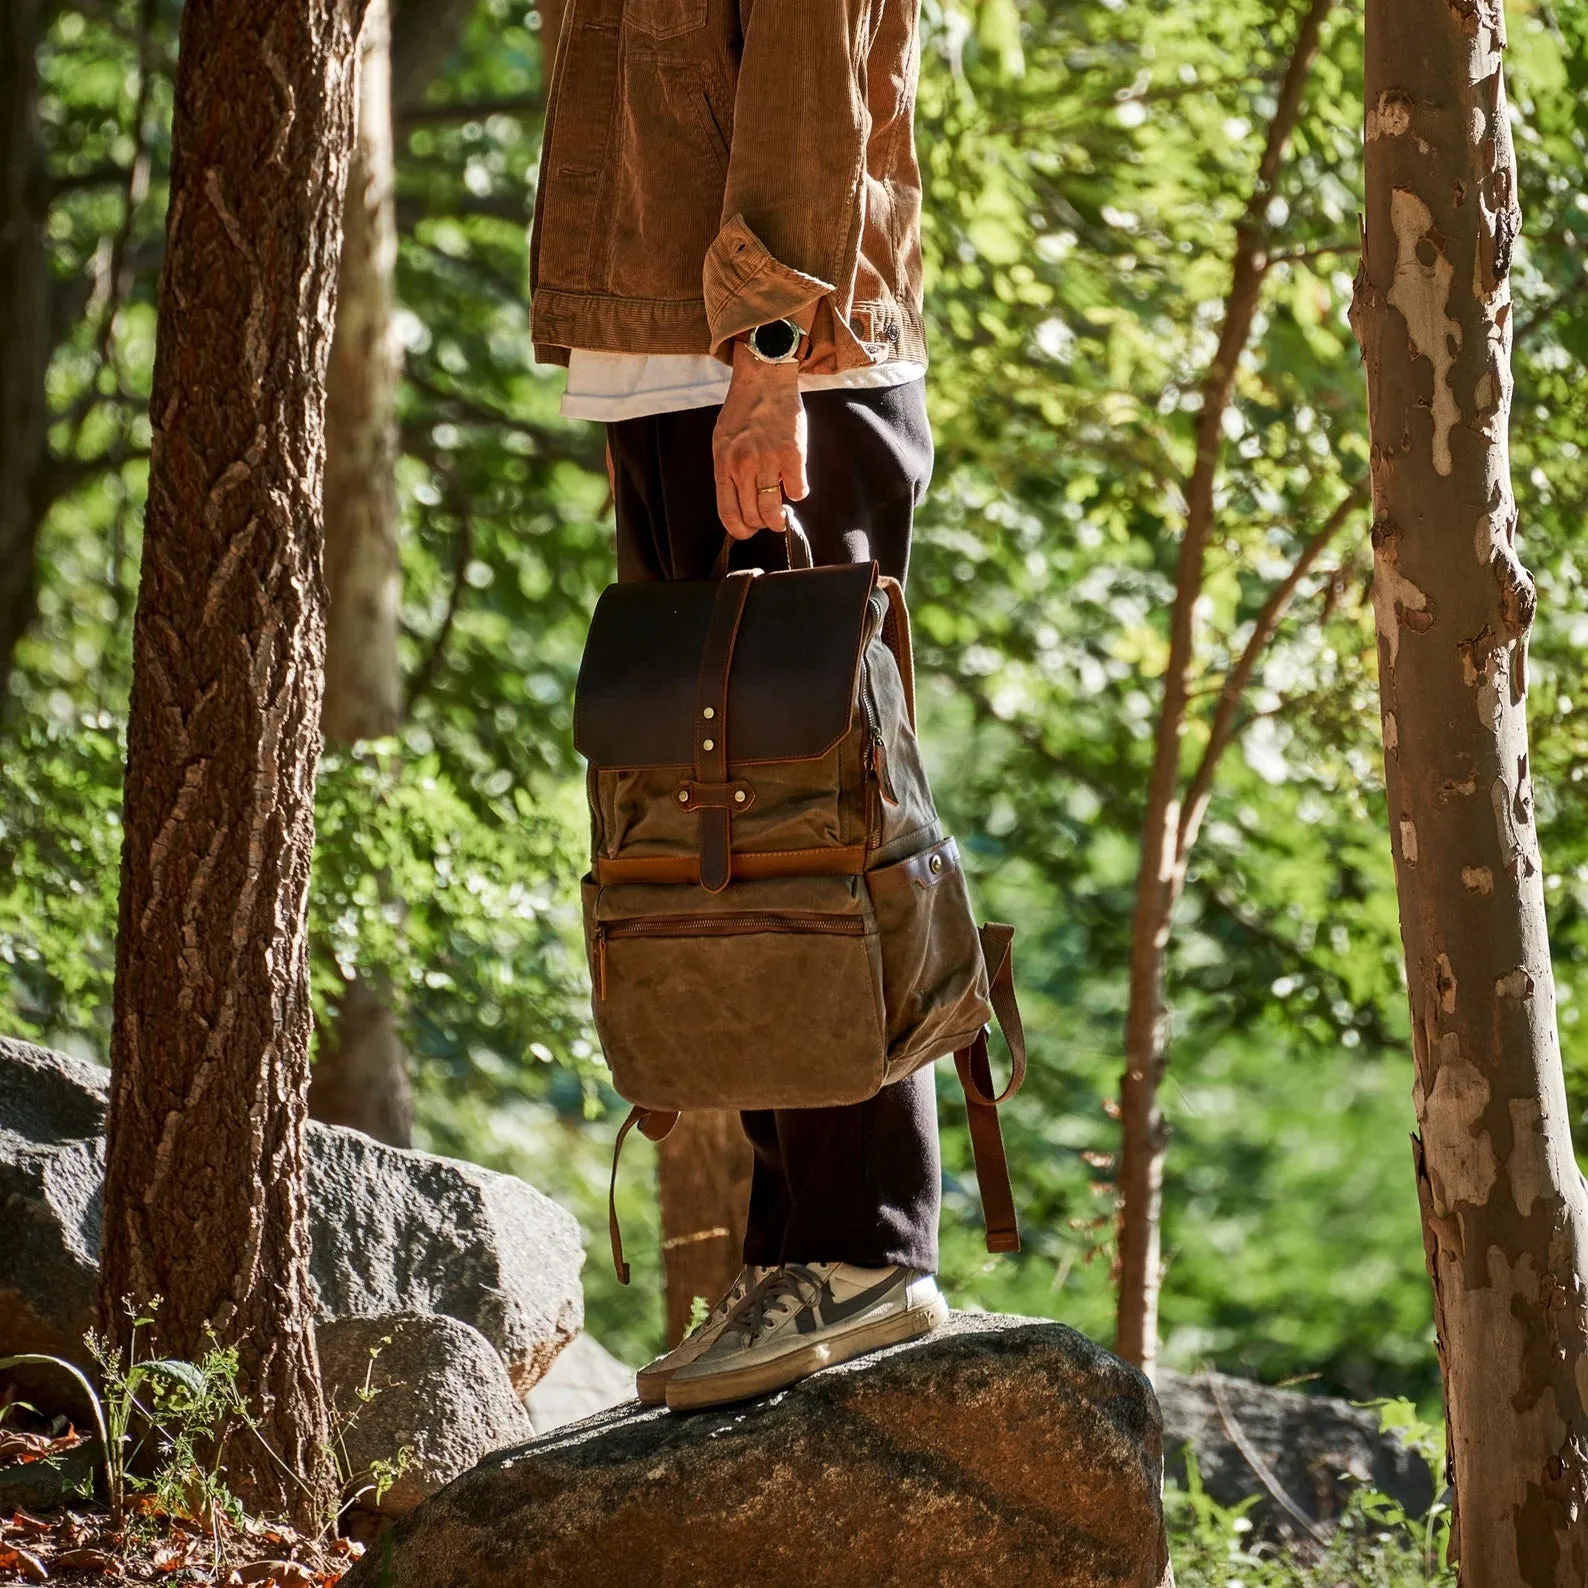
{"x": 774, "y": 916}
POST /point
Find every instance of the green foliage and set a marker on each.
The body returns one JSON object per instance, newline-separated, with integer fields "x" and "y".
{"x": 1085, "y": 165}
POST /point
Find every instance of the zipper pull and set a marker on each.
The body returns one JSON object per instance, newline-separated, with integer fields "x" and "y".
{"x": 879, "y": 767}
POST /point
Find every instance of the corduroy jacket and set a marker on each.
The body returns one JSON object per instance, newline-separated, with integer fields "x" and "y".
{"x": 710, "y": 165}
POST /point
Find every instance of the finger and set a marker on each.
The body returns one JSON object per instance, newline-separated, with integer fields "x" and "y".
{"x": 749, "y": 504}
{"x": 728, "y": 506}
{"x": 796, "y": 484}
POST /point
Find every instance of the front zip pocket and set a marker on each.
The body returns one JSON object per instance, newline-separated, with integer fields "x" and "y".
{"x": 774, "y": 1005}
{"x": 717, "y": 926}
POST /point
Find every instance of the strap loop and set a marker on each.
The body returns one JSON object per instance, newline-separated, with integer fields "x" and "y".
{"x": 981, "y": 1106}
{"x": 796, "y": 543}
{"x": 654, "y": 1124}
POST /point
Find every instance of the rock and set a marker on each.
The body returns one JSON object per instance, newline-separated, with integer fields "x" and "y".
{"x": 440, "y": 1390}
{"x": 45, "y": 1485}
{"x": 402, "y": 1231}
{"x": 1316, "y": 1448}
{"x": 393, "y": 1230}
{"x": 584, "y": 1380}
{"x": 52, "y": 1166}
{"x": 998, "y": 1451}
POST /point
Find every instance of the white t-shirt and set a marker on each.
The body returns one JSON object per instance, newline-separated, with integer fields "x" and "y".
{"x": 613, "y": 386}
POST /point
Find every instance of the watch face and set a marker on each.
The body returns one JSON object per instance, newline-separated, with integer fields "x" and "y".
{"x": 775, "y": 340}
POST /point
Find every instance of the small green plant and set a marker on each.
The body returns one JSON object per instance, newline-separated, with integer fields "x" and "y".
{"x": 699, "y": 1310}
{"x": 1375, "y": 1544}
{"x": 381, "y": 1473}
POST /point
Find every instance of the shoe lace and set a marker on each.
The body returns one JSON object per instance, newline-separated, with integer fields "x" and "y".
{"x": 784, "y": 1289}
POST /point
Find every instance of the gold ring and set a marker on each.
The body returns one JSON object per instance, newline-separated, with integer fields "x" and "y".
{"x": 761, "y": 489}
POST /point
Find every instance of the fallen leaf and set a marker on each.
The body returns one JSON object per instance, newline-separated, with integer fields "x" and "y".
{"x": 21, "y": 1522}
{"x": 283, "y": 1573}
{"x": 31, "y": 1567}
{"x": 89, "y": 1560}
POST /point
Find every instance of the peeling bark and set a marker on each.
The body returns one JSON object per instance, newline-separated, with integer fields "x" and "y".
{"x": 1167, "y": 833}
{"x": 204, "y": 1195}
{"x": 1504, "y": 1207}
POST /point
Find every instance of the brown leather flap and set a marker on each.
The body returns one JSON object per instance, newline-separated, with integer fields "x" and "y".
{"x": 792, "y": 684}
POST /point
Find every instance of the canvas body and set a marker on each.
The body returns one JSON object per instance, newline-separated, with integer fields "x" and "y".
{"x": 779, "y": 920}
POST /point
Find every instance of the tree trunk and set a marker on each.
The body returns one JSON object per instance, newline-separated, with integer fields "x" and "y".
{"x": 204, "y": 1191}
{"x": 360, "y": 1076}
{"x": 363, "y": 686}
{"x": 1505, "y": 1210}
{"x": 704, "y": 1171}
{"x": 1164, "y": 838}
{"x": 361, "y": 1069}
{"x": 24, "y": 324}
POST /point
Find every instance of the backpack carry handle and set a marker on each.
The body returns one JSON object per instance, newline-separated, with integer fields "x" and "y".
{"x": 795, "y": 541}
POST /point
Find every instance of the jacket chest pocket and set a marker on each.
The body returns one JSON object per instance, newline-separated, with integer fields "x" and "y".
{"x": 665, "y": 19}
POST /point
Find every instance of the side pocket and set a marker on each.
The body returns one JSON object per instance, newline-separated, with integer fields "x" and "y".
{"x": 933, "y": 975}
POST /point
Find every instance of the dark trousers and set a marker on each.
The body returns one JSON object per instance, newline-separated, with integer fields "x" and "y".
{"x": 831, "y": 1185}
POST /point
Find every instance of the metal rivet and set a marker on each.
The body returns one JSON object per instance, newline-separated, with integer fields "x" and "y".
{"x": 936, "y": 862}
{"x": 709, "y": 744}
{"x": 709, "y": 713}
{"x": 738, "y": 796}
{"x": 683, "y": 796}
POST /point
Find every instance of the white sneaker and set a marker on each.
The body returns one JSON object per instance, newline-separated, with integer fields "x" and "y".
{"x": 803, "y": 1317}
{"x": 651, "y": 1381}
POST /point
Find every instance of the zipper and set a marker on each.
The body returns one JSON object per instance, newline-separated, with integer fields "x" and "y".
{"x": 720, "y": 926}
{"x": 876, "y": 746}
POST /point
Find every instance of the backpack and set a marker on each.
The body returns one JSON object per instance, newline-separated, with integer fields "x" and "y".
{"x": 774, "y": 916}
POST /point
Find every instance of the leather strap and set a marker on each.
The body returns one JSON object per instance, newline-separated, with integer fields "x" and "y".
{"x": 899, "y": 643}
{"x": 796, "y": 543}
{"x": 711, "y": 728}
{"x": 654, "y": 1124}
{"x": 925, "y": 870}
{"x": 981, "y": 1106}
{"x": 752, "y": 867}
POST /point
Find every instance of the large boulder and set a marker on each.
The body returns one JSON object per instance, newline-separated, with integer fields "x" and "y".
{"x": 1315, "y": 1449}
{"x": 419, "y": 1383}
{"x": 393, "y": 1231}
{"x": 997, "y": 1451}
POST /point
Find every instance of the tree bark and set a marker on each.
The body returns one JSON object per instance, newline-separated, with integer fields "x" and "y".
{"x": 24, "y": 325}
{"x": 1505, "y": 1209}
{"x": 363, "y": 684}
{"x": 204, "y": 1191}
{"x": 703, "y": 1168}
{"x": 361, "y": 1067}
{"x": 1163, "y": 858}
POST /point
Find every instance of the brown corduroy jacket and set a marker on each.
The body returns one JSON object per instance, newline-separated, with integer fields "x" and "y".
{"x": 710, "y": 165}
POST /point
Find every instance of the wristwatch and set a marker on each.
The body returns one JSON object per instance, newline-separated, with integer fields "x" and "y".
{"x": 776, "y": 342}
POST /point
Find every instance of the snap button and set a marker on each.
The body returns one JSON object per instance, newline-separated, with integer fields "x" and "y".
{"x": 709, "y": 713}
{"x": 738, "y": 796}
{"x": 708, "y": 744}
{"x": 683, "y": 796}
{"x": 936, "y": 863}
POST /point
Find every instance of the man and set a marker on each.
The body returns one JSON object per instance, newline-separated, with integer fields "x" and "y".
{"x": 726, "y": 256}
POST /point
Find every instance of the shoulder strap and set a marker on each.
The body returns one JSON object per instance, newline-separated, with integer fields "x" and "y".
{"x": 654, "y": 1124}
{"x": 981, "y": 1106}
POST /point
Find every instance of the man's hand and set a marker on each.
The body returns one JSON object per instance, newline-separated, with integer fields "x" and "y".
{"x": 759, "y": 445}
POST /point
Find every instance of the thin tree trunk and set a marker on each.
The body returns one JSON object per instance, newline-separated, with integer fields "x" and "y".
{"x": 363, "y": 684}
{"x": 24, "y": 325}
{"x": 1162, "y": 873}
{"x": 1505, "y": 1209}
{"x": 703, "y": 1168}
{"x": 204, "y": 1190}
{"x": 361, "y": 1067}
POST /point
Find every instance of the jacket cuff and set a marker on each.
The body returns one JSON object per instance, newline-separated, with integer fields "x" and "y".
{"x": 746, "y": 286}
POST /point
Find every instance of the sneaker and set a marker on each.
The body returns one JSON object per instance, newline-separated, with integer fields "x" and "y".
{"x": 651, "y": 1381}
{"x": 803, "y": 1317}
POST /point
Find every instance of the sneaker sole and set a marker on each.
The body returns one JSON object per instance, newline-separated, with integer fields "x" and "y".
{"x": 762, "y": 1378}
{"x": 651, "y": 1388}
